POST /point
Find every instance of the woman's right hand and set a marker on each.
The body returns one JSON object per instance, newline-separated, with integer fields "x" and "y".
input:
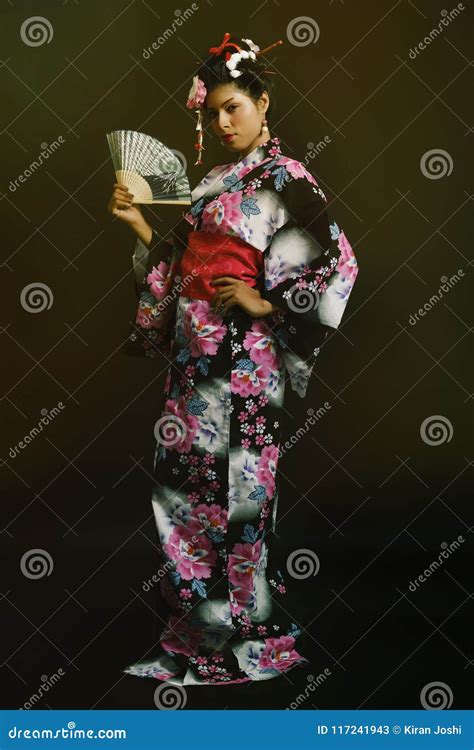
{"x": 120, "y": 205}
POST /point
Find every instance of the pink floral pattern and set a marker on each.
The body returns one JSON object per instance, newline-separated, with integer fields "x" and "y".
{"x": 296, "y": 169}
{"x": 347, "y": 265}
{"x": 267, "y": 466}
{"x": 203, "y": 329}
{"x": 262, "y": 345}
{"x": 192, "y": 552}
{"x": 243, "y": 562}
{"x": 249, "y": 378}
{"x": 279, "y": 653}
{"x": 177, "y": 427}
{"x": 221, "y": 214}
{"x": 157, "y": 280}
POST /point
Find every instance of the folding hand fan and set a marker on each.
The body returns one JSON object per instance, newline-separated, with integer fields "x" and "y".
{"x": 148, "y": 168}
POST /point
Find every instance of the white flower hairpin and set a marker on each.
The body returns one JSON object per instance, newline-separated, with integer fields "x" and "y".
{"x": 233, "y": 59}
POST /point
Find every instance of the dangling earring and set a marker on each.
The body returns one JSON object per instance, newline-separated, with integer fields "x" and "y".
{"x": 264, "y": 126}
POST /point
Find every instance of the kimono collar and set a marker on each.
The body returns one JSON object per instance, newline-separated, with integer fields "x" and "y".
{"x": 268, "y": 149}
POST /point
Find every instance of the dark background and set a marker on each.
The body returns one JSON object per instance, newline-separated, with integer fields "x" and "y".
{"x": 362, "y": 489}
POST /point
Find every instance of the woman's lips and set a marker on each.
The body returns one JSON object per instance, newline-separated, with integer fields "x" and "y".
{"x": 228, "y": 138}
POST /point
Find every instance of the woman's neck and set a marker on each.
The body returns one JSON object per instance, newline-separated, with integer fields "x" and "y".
{"x": 257, "y": 142}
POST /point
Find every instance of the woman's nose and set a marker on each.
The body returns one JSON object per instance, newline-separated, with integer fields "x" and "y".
{"x": 223, "y": 120}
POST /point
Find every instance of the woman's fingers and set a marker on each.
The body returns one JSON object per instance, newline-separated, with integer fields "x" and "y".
{"x": 221, "y": 297}
{"x": 120, "y": 186}
{"x": 119, "y": 203}
{"x": 120, "y": 191}
{"x": 123, "y": 196}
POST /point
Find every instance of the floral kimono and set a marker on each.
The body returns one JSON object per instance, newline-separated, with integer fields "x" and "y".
{"x": 215, "y": 490}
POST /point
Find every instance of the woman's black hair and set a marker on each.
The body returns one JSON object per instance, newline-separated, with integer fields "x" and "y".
{"x": 253, "y": 81}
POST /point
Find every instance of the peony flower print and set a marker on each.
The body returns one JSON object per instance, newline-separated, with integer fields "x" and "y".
{"x": 191, "y": 551}
{"x": 242, "y": 567}
{"x": 262, "y": 345}
{"x": 203, "y": 328}
{"x": 296, "y": 169}
{"x": 211, "y": 518}
{"x": 222, "y": 213}
{"x": 157, "y": 280}
{"x": 248, "y": 378}
{"x": 177, "y": 427}
{"x": 279, "y": 653}
{"x": 266, "y": 470}
{"x": 347, "y": 265}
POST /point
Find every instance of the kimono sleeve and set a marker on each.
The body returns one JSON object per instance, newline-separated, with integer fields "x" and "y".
{"x": 310, "y": 270}
{"x": 156, "y": 271}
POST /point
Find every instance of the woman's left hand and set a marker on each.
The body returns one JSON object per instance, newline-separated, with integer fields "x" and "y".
{"x": 233, "y": 291}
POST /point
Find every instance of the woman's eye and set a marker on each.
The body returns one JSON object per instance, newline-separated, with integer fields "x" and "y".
{"x": 213, "y": 115}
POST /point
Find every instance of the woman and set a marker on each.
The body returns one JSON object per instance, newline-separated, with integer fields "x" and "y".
{"x": 239, "y": 301}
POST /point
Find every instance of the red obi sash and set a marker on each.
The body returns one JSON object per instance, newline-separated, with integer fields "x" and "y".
{"x": 209, "y": 255}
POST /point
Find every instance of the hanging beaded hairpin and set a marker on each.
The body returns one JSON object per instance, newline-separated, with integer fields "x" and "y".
{"x": 197, "y": 92}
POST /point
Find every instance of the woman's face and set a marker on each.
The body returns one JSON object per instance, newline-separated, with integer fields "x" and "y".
{"x": 231, "y": 111}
